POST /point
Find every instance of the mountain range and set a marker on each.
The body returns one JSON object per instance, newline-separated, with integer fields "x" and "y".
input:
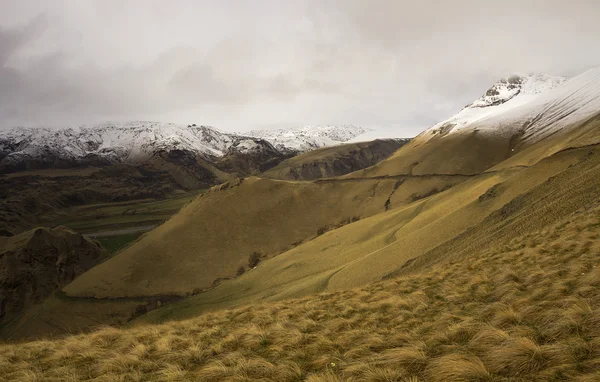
{"x": 137, "y": 142}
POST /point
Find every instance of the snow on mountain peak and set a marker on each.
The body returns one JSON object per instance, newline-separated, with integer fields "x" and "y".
{"x": 136, "y": 141}
{"x": 508, "y": 93}
{"x": 307, "y": 138}
{"x": 507, "y": 88}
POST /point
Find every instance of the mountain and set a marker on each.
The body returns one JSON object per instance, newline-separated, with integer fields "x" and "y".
{"x": 534, "y": 107}
{"x": 306, "y": 138}
{"x": 115, "y": 163}
{"x": 137, "y": 142}
{"x": 509, "y": 118}
{"x": 283, "y": 214}
{"x": 465, "y": 255}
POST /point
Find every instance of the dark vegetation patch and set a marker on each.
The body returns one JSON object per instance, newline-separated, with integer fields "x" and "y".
{"x": 490, "y": 193}
{"x": 112, "y": 244}
{"x": 328, "y": 228}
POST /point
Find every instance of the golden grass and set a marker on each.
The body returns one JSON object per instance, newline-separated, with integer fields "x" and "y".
{"x": 195, "y": 247}
{"x": 509, "y": 313}
{"x": 373, "y": 247}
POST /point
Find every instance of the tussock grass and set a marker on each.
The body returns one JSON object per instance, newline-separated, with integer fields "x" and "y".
{"x": 511, "y": 313}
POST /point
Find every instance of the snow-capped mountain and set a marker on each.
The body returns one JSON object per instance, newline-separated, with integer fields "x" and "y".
{"x": 134, "y": 142}
{"x": 506, "y": 94}
{"x": 308, "y": 138}
{"x": 533, "y": 106}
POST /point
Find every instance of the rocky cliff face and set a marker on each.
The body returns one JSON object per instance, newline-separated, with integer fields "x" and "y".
{"x": 36, "y": 263}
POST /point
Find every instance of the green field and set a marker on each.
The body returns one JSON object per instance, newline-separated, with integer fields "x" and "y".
{"x": 118, "y": 219}
{"x": 113, "y": 244}
{"x": 94, "y": 218}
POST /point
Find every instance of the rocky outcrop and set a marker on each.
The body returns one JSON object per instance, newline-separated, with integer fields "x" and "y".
{"x": 36, "y": 263}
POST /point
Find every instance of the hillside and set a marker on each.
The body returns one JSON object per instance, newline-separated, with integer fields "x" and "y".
{"x": 428, "y": 189}
{"x": 526, "y": 309}
{"x": 399, "y": 210}
{"x": 468, "y": 217}
{"x": 36, "y": 263}
{"x": 195, "y": 247}
{"x": 49, "y": 197}
{"x": 334, "y": 161}
{"x": 491, "y": 130}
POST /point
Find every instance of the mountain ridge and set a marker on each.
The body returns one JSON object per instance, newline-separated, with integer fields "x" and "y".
{"x": 137, "y": 141}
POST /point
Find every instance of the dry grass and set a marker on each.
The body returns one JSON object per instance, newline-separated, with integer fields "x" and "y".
{"x": 195, "y": 247}
{"x": 512, "y": 313}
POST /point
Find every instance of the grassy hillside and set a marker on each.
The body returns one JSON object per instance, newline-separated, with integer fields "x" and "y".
{"x": 475, "y": 152}
{"x": 95, "y": 218}
{"x": 459, "y": 153}
{"x": 334, "y": 161}
{"x": 372, "y": 248}
{"x": 195, "y": 249}
{"x": 527, "y": 309}
{"x": 308, "y": 240}
{"x": 215, "y": 235}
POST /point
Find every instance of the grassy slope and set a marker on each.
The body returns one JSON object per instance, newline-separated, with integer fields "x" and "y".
{"x": 322, "y": 162}
{"x": 390, "y": 239}
{"x": 527, "y": 309}
{"x": 369, "y": 249}
{"x": 455, "y": 221}
{"x": 473, "y": 153}
{"x": 58, "y": 316}
{"x": 195, "y": 247}
{"x": 93, "y": 218}
{"x": 458, "y": 153}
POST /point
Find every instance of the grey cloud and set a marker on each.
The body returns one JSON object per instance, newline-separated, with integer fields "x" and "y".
{"x": 393, "y": 64}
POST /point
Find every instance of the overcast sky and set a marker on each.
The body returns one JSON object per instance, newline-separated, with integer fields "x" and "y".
{"x": 398, "y": 65}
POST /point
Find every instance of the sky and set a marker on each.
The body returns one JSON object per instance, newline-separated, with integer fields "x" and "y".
{"x": 397, "y": 66}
